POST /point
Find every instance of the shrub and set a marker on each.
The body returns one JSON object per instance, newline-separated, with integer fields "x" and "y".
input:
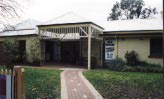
{"x": 5, "y": 59}
{"x": 145, "y": 64}
{"x": 131, "y": 58}
{"x": 9, "y": 53}
{"x": 11, "y": 49}
{"x": 142, "y": 69}
{"x": 116, "y": 64}
{"x": 128, "y": 69}
{"x": 3, "y": 67}
{"x": 134, "y": 65}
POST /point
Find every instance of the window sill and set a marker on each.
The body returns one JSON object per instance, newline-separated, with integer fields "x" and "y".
{"x": 155, "y": 56}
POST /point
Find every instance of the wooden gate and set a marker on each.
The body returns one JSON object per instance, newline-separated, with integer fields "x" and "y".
{"x": 12, "y": 83}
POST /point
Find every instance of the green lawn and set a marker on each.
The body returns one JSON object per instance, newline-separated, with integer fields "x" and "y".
{"x": 42, "y": 83}
{"x": 126, "y": 85}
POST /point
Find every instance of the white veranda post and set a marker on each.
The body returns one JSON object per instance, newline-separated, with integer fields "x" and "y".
{"x": 89, "y": 48}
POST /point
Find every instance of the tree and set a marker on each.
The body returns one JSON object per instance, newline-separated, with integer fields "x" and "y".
{"x": 9, "y": 11}
{"x": 116, "y": 12}
{"x": 130, "y": 9}
{"x": 148, "y": 12}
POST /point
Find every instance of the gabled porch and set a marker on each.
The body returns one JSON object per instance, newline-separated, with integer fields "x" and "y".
{"x": 76, "y": 43}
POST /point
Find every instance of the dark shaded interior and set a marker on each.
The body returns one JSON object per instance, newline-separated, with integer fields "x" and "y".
{"x": 62, "y": 52}
{"x": 70, "y": 52}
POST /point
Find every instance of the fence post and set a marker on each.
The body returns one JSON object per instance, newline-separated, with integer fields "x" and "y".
{"x": 20, "y": 82}
{"x": 1, "y": 71}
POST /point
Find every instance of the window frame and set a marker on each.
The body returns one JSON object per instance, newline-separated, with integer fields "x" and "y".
{"x": 152, "y": 54}
{"x": 24, "y": 45}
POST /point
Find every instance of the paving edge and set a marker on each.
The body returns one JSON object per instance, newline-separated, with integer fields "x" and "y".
{"x": 90, "y": 86}
{"x": 64, "y": 94}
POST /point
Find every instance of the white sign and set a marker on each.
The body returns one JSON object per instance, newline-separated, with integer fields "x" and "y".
{"x": 109, "y": 50}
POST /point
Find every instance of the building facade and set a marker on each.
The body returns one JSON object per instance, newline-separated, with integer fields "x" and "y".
{"x": 75, "y": 40}
{"x": 148, "y": 45}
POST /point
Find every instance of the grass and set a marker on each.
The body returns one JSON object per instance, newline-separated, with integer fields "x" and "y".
{"x": 42, "y": 83}
{"x": 126, "y": 85}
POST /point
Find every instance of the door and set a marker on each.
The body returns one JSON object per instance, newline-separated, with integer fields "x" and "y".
{"x": 49, "y": 51}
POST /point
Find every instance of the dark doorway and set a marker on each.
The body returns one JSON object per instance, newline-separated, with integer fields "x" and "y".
{"x": 70, "y": 52}
{"x": 22, "y": 50}
{"x": 49, "y": 51}
{"x": 64, "y": 52}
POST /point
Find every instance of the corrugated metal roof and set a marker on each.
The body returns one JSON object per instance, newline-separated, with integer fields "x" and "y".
{"x": 134, "y": 24}
{"x": 27, "y": 24}
{"x": 70, "y": 17}
{"x": 27, "y": 27}
{"x": 19, "y": 32}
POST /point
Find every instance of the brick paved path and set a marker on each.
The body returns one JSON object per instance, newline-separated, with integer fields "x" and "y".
{"x": 76, "y": 87}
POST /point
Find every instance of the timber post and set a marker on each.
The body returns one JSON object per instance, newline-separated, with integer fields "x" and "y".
{"x": 20, "y": 82}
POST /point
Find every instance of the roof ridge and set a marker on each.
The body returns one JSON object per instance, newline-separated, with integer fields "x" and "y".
{"x": 68, "y": 13}
{"x": 147, "y": 19}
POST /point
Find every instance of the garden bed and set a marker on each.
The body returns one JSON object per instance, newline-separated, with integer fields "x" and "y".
{"x": 126, "y": 85}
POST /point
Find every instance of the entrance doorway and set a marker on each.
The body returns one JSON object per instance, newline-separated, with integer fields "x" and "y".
{"x": 62, "y": 52}
{"x": 70, "y": 52}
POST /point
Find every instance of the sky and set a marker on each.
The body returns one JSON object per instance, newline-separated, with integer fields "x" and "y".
{"x": 44, "y": 10}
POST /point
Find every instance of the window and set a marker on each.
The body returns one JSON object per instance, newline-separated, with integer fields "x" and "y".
{"x": 22, "y": 50}
{"x": 156, "y": 47}
{"x": 22, "y": 46}
{"x": 1, "y": 43}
